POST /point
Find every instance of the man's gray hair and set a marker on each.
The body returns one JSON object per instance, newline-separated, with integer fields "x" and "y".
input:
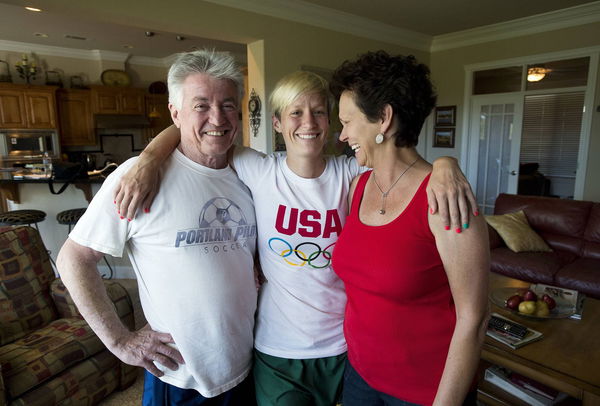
{"x": 220, "y": 65}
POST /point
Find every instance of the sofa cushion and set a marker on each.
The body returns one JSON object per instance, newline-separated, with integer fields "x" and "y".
{"x": 528, "y": 266}
{"x": 45, "y": 353}
{"x": 516, "y": 233}
{"x": 83, "y": 384}
{"x": 583, "y": 275}
{"x": 25, "y": 277}
{"x": 560, "y": 222}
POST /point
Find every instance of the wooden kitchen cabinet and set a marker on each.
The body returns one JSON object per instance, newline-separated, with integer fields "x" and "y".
{"x": 76, "y": 120}
{"x": 117, "y": 100}
{"x": 157, "y": 111}
{"x": 25, "y": 106}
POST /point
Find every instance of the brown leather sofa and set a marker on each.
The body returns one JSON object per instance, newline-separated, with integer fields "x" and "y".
{"x": 570, "y": 227}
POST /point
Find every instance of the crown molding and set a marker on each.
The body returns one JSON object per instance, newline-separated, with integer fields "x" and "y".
{"x": 149, "y": 61}
{"x": 92, "y": 55}
{"x": 101, "y": 55}
{"x": 14, "y": 46}
{"x": 327, "y": 18}
{"x": 531, "y": 59}
{"x": 554, "y": 20}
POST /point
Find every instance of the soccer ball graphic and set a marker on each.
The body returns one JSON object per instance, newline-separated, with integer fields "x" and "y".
{"x": 219, "y": 212}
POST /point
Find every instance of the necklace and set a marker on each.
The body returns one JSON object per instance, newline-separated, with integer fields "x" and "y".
{"x": 384, "y": 195}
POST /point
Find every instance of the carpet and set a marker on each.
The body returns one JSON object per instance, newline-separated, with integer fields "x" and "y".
{"x": 131, "y": 396}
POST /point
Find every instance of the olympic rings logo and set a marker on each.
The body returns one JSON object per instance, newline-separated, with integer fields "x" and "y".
{"x": 311, "y": 259}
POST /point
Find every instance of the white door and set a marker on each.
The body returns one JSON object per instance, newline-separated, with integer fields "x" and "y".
{"x": 494, "y": 147}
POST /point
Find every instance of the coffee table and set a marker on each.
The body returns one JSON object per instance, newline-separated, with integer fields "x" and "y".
{"x": 567, "y": 358}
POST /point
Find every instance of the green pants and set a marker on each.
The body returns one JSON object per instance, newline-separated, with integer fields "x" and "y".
{"x": 298, "y": 382}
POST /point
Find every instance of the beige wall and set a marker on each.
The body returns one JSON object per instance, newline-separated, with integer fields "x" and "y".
{"x": 449, "y": 75}
{"x": 89, "y": 70}
{"x": 592, "y": 183}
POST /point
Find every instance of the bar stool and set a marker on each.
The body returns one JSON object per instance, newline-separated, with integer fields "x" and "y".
{"x": 71, "y": 217}
{"x": 25, "y": 217}
{"x": 22, "y": 217}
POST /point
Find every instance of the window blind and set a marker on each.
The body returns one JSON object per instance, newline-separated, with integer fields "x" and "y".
{"x": 551, "y": 130}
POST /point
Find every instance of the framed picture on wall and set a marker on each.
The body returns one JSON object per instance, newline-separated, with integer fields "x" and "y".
{"x": 443, "y": 137}
{"x": 445, "y": 116}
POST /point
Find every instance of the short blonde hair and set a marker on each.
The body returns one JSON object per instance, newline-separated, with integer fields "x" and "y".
{"x": 295, "y": 84}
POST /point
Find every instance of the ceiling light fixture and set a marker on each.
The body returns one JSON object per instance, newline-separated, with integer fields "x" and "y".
{"x": 149, "y": 33}
{"x": 40, "y": 34}
{"x": 536, "y": 73}
{"x": 33, "y": 8}
{"x": 179, "y": 38}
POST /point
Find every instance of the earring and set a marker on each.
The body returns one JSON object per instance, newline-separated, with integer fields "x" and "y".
{"x": 379, "y": 138}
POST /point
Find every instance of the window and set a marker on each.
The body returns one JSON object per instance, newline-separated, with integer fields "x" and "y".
{"x": 551, "y": 131}
{"x": 565, "y": 73}
{"x": 500, "y": 80}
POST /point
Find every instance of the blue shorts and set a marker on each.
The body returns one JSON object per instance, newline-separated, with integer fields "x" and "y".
{"x": 159, "y": 393}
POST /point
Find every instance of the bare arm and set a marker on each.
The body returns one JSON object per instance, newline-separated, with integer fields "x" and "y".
{"x": 77, "y": 266}
{"x": 466, "y": 261}
{"x": 449, "y": 193}
{"x": 138, "y": 187}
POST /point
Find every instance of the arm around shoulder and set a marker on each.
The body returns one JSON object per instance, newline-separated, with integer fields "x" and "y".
{"x": 138, "y": 187}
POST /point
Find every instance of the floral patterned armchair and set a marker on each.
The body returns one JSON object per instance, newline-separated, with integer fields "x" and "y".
{"x": 48, "y": 353}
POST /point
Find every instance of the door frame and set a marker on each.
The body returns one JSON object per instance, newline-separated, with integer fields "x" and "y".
{"x": 586, "y": 120}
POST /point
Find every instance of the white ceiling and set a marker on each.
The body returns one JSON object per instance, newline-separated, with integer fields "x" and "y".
{"x": 436, "y": 17}
{"x": 21, "y": 25}
{"x": 428, "y": 18}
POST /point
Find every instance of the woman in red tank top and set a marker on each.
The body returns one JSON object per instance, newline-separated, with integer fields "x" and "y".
{"x": 417, "y": 295}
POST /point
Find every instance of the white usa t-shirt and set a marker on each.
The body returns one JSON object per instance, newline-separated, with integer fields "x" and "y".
{"x": 193, "y": 259}
{"x": 301, "y": 306}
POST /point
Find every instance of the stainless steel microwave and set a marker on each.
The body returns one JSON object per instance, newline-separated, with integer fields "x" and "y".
{"x": 28, "y": 144}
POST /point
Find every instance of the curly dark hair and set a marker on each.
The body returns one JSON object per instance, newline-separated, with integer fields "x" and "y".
{"x": 377, "y": 79}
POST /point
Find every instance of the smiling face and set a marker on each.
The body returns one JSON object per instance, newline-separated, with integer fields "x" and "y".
{"x": 358, "y": 131}
{"x": 304, "y": 124}
{"x": 207, "y": 119}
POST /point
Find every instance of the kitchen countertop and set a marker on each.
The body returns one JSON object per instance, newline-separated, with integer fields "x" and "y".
{"x": 9, "y": 185}
{"x": 7, "y": 177}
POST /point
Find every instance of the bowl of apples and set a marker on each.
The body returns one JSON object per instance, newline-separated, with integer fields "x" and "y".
{"x": 526, "y": 302}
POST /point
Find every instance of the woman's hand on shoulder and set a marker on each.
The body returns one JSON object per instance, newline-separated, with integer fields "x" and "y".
{"x": 137, "y": 189}
{"x": 449, "y": 194}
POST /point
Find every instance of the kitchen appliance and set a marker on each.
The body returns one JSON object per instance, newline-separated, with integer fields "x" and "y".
{"x": 26, "y": 146}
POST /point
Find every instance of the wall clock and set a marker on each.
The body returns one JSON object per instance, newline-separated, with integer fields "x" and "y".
{"x": 254, "y": 107}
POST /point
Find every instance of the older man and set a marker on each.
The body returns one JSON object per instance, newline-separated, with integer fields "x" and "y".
{"x": 193, "y": 255}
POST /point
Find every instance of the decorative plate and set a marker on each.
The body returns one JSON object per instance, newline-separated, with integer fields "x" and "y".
{"x": 157, "y": 88}
{"x": 563, "y": 308}
{"x": 115, "y": 77}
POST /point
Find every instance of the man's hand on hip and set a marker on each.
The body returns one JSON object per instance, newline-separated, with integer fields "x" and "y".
{"x": 142, "y": 347}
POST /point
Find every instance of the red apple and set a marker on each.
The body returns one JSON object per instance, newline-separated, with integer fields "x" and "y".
{"x": 549, "y": 301}
{"x": 513, "y": 302}
{"x": 529, "y": 295}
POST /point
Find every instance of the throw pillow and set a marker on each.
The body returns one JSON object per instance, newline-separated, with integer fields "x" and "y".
{"x": 516, "y": 232}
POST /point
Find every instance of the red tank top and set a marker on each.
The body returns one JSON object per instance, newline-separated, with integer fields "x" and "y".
{"x": 400, "y": 316}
